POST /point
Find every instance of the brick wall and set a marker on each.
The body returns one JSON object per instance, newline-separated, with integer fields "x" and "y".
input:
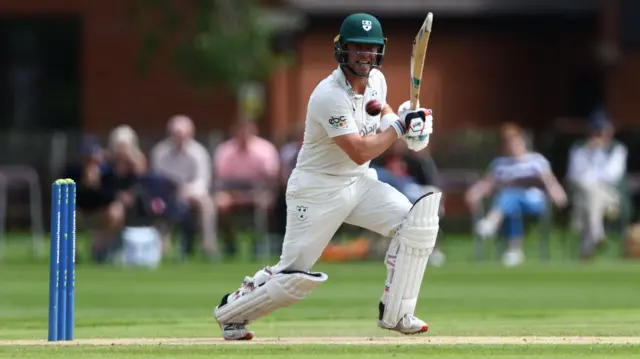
{"x": 113, "y": 92}
{"x": 474, "y": 76}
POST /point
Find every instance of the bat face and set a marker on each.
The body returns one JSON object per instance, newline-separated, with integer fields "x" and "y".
{"x": 418, "y": 55}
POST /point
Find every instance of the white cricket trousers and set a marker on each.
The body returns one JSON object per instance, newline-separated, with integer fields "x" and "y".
{"x": 317, "y": 205}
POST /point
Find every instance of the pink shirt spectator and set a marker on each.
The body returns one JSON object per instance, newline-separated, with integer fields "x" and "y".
{"x": 259, "y": 161}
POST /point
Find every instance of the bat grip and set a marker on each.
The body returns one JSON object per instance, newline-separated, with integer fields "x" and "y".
{"x": 414, "y": 104}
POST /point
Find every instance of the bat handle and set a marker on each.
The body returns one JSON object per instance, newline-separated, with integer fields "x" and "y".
{"x": 414, "y": 104}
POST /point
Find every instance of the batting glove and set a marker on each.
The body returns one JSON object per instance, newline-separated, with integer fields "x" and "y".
{"x": 421, "y": 142}
{"x": 417, "y": 144}
{"x": 418, "y": 123}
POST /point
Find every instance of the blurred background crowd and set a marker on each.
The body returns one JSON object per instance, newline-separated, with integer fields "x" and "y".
{"x": 181, "y": 138}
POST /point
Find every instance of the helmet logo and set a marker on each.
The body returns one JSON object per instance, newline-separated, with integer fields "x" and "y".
{"x": 366, "y": 25}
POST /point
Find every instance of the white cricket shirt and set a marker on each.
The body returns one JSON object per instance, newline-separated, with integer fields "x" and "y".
{"x": 334, "y": 109}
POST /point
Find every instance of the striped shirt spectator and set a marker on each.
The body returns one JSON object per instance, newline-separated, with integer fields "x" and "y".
{"x": 525, "y": 171}
{"x": 518, "y": 181}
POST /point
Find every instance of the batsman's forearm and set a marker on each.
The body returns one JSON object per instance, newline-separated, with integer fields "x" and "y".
{"x": 386, "y": 109}
{"x": 373, "y": 146}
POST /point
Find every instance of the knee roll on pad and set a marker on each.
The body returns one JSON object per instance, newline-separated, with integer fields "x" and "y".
{"x": 278, "y": 291}
{"x": 416, "y": 239}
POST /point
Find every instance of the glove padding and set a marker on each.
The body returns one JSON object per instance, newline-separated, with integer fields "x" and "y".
{"x": 417, "y": 144}
{"x": 412, "y": 122}
{"x": 420, "y": 142}
{"x": 411, "y": 119}
{"x": 409, "y": 123}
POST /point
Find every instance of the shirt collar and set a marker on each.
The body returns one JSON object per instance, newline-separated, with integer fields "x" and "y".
{"x": 341, "y": 80}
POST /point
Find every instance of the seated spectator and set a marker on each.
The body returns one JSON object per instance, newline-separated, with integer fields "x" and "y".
{"x": 92, "y": 202}
{"x": 288, "y": 158}
{"x": 404, "y": 171}
{"x": 597, "y": 167}
{"x": 187, "y": 163}
{"x": 104, "y": 185}
{"x": 289, "y": 151}
{"x": 243, "y": 164}
{"x": 86, "y": 171}
{"x": 518, "y": 180}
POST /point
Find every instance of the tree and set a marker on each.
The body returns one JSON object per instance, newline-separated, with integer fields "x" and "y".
{"x": 220, "y": 42}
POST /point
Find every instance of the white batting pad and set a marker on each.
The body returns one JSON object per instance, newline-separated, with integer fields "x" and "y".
{"x": 255, "y": 300}
{"x": 407, "y": 259}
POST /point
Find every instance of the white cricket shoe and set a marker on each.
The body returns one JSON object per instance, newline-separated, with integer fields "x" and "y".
{"x": 236, "y": 332}
{"x": 409, "y": 324}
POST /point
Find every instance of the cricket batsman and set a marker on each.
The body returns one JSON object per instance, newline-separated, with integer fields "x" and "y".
{"x": 333, "y": 184}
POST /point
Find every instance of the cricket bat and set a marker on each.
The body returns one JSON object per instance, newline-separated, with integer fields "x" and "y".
{"x": 418, "y": 55}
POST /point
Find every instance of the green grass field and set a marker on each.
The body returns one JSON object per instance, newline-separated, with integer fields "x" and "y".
{"x": 475, "y": 310}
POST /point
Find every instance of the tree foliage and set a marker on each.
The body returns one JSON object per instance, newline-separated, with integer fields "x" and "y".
{"x": 210, "y": 41}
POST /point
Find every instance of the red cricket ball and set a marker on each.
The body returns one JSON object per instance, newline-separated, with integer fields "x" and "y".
{"x": 373, "y": 107}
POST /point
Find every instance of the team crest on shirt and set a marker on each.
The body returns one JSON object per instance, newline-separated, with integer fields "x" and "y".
{"x": 338, "y": 121}
{"x": 302, "y": 212}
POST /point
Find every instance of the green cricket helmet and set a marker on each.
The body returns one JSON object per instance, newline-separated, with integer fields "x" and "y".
{"x": 361, "y": 29}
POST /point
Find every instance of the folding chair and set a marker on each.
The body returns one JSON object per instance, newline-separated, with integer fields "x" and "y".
{"x": 544, "y": 224}
{"x": 9, "y": 175}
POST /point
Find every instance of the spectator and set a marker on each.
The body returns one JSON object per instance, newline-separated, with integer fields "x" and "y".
{"x": 288, "y": 158}
{"x": 405, "y": 171}
{"x": 86, "y": 171}
{"x": 187, "y": 163}
{"x": 105, "y": 182}
{"x": 289, "y": 151}
{"x": 243, "y": 164}
{"x": 519, "y": 180}
{"x": 93, "y": 203}
{"x": 597, "y": 167}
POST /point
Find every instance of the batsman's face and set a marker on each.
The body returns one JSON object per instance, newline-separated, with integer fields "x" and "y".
{"x": 362, "y": 57}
